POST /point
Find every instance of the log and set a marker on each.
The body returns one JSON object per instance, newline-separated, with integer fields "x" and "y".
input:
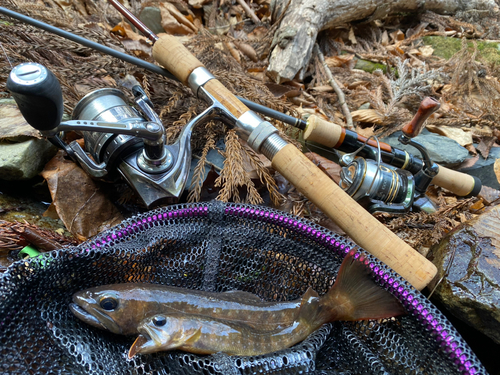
{"x": 294, "y": 40}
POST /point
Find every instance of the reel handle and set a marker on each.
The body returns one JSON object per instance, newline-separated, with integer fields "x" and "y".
{"x": 38, "y": 95}
{"x": 362, "y": 227}
{"x": 427, "y": 107}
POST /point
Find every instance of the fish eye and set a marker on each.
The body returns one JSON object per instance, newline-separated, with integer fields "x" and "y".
{"x": 159, "y": 321}
{"x": 108, "y": 303}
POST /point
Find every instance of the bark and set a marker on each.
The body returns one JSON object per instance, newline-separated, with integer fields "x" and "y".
{"x": 294, "y": 40}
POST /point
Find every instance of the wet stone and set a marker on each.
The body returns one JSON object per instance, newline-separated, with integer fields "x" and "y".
{"x": 151, "y": 17}
{"x": 442, "y": 150}
{"x": 484, "y": 169}
{"x": 469, "y": 259}
{"x": 24, "y": 160}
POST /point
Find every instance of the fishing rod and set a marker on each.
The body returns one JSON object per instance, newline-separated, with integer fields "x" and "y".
{"x": 315, "y": 128}
{"x": 263, "y": 138}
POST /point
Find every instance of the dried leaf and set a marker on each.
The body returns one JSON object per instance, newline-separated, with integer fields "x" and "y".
{"x": 367, "y": 115}
{"x": 326, "y": 165}
{"x": 247, "y": 50}
{"x": 462, "y": 137}
{"x": 81, "y": 205}
{"x": 13, "y": 124}
{"x": 496, "y": 168}
{"x": 279, "y": 90}
{"x": 489, "y": 195}
{"x": 340, "y": 61}
{"x": 485, "y": 145}
{"x": 426, "y": 51}
{"x": 352, "y": 37}
{"x": 385, "y": 38}
{"x": 174, "y": 22}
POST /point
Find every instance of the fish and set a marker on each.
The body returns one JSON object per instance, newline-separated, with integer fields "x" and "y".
{"x": 206, "y": 335}
{"x": 354, "y": 296}
{"x": 120, "y": 308}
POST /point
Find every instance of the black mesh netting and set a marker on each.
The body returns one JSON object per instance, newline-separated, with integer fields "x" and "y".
{"x": 215, "y": 247}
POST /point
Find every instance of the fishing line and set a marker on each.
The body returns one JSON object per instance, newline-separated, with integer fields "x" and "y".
{"x": 7, "y": 56}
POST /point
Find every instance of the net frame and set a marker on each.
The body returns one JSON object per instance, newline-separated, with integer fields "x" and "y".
{"x": 216, "y": 247}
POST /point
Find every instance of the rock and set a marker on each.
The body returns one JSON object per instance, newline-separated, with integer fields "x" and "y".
{"x": 483, "y": 169}
{"x": 13, "y": 126}
{"x": 469, "y": 259}
{"x": 151, "y": 16}
{"x": 442, "y": 150}
{"x": 24, "y": 160}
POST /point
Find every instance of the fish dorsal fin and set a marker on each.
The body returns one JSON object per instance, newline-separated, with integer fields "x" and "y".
{"x": 356, "y": 296}
{"x": 239, "y": 295}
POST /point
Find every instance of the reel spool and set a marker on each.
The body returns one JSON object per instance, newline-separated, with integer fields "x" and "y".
{"x": 378, "y": 187}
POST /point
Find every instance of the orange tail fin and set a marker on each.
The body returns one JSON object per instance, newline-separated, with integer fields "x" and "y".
{"x": 355, "y": 296}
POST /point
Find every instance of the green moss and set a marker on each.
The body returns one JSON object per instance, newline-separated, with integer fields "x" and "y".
{"x": 446, "y": 47}
{"x": 369, "y": 66}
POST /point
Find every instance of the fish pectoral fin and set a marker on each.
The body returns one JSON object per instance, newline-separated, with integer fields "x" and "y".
{"x": 192, "y": 337}
{"x": 137, "y": 346}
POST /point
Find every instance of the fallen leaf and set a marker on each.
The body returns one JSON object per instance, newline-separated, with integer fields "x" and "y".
{"x": 174, "y": 22}
{"x": 426, "y": 51}
{"x": 13, "y": 125}
{"x": 197, "y": 4}
{"x": 477, "y": 206}
{"x": 367, "y": 115}
{"x": 352, "y": 37}
{"x": 340, "y": 61}
{"x": 80, "y": 204}
{"x": 489, "y": 195}
{"x": 397, "y": 36}
{"x": 472, "y": 150}
{"x": 279, "y": 90}
{"x": 468, "y": 163}
{"x": 485, "y": 145}
{"x": 326, "y": 165}
{"x": 326, "y": 88}
{"x": 496, "y": 168}
{"x": 385, "y": 39}
{"x": 463, "y": 138}
{"x": 247, "y": 50}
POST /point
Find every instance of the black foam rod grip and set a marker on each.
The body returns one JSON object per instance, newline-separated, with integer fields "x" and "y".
{"x": 38, "y": 95}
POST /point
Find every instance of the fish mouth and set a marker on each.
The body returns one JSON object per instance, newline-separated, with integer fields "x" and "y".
{"x": 84, "y": 311}
{"x": 147, "y": 342}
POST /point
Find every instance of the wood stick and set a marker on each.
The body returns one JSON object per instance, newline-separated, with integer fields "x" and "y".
{"x": 336, "y": 88}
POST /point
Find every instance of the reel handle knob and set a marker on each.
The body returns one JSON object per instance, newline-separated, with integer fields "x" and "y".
{"x": 38, "y": 95}
{"x": 427, "y": 107}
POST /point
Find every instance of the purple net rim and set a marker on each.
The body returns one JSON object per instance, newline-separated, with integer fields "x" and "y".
{"x": 413, "y": 303}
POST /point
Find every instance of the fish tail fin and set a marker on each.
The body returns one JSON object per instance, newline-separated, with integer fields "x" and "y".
{"x": 356, "y": 296}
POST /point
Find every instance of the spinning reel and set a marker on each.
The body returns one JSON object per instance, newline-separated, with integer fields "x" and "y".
{"x": 381, "y": 187}
{"x": 117, "y": 136}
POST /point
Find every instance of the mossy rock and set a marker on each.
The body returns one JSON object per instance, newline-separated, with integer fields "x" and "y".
{"x": 446, "y": 47}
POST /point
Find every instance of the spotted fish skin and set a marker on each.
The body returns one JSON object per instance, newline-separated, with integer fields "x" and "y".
{"x": 203, "y": 335}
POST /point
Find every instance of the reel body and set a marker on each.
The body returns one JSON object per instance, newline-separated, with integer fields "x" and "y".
{"x": 378, "y": 187}
{"x": 119, "y": 139}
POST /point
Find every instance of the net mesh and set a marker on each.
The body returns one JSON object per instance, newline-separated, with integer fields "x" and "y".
{"x": 215, "y": 247}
